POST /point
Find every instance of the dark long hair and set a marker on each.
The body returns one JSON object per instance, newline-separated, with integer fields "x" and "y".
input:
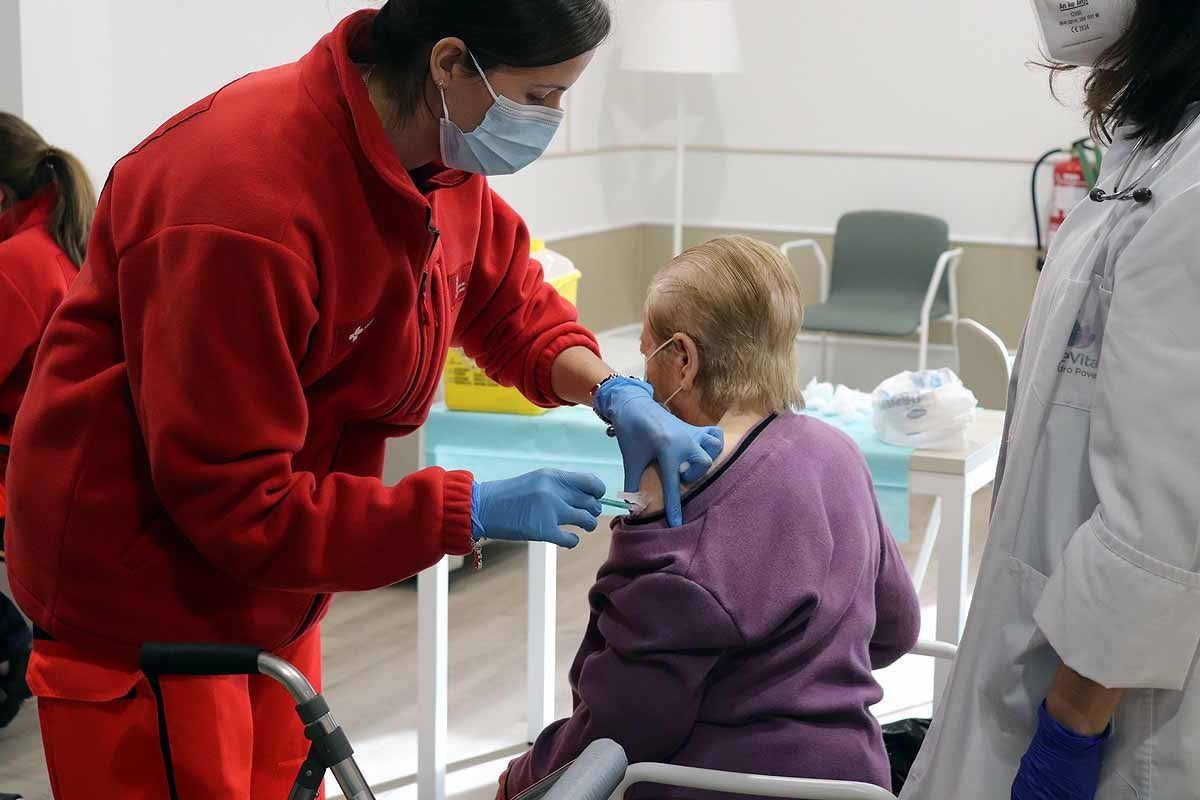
{"x": 513, "y": 33}
{"x": 1150, "y": 76}
{"x": 28, "y": 165}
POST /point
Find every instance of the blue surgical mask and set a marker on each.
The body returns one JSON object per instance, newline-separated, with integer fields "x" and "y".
{"x": 511, "y": 137}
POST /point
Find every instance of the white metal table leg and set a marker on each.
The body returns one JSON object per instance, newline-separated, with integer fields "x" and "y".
{"x": 954, "y": 541}
{"x": 433, "y": 597}
{"x": 952, "y": 479}
{"x": 543, "y": 568}
{"x": 926, "y": 554}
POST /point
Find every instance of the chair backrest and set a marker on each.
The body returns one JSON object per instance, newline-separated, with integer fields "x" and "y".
{"x": 983, "y": 364}
{"x": 889, "y": 251}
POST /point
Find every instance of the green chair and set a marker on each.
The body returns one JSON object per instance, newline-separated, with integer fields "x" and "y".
{"x": 892, "y": 273}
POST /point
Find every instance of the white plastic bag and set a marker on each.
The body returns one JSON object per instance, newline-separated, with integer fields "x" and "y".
{"x": 929, "y": 410}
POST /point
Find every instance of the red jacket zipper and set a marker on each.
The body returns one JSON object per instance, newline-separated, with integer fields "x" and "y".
{"x": 422, "y": 315}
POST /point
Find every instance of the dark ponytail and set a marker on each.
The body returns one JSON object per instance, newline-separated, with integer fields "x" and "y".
{"x": 1150, "y": 76}
{"x": 513, "y": 33}
{"x": 28, "y": 165}
{"x": 71, "y": 220}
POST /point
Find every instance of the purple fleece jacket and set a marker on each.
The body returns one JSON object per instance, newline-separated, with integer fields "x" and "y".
{"x": 745, "y": 639}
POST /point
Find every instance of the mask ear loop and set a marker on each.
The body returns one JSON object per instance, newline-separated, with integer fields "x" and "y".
{"x": 667, "y": 403}
{"x": 659, "y": 349}
{"x": 445, "y": 108}
{"x": 483, "y": 75}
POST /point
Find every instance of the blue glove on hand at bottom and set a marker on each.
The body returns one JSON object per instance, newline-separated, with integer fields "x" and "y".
{"x": 1060, "y": 764}
{"x": 530, "y": 508}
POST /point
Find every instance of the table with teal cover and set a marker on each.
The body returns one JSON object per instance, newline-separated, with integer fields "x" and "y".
{"x": 889, "y": 470}
{"x": 494, "y": 446}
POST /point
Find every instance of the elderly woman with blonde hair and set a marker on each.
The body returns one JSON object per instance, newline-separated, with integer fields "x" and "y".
{"x": 745, "y": 639}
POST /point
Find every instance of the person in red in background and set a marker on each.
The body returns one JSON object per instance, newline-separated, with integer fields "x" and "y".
{"x": 273, "y": 282}
{"x": 46, "y": 208}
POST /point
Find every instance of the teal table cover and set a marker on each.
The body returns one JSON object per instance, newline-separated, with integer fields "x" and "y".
{"x": 495, "y": 446}
{"x": 889, "y": 470}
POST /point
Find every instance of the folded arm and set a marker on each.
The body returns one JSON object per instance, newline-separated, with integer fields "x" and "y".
{"x": 215, "y": 323}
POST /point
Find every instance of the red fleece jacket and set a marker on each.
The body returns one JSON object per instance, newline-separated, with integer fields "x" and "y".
{"x": 34, "y": 276}
{"x": 268, "y": 296}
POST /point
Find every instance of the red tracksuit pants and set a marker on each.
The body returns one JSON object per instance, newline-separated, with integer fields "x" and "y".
{"x": 234, "y": 738}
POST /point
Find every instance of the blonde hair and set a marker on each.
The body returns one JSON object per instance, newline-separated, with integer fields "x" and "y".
{"x": 738, "y": 298}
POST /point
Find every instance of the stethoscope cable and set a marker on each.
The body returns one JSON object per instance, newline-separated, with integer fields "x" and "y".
{"x": 1135, "y": 191}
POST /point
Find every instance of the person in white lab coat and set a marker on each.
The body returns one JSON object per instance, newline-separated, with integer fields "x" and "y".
{"x": 1076, "y": 675}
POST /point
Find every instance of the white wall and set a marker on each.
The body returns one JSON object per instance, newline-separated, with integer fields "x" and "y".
{"x": 924, "y": 105}
{"x": 171, "y": 53}
{"x": 101, "y": 75}
{"x": 593, "y": 178}
{"x": 132, "y": 64}
{"x": 927, "y": 106}
{"x": 67, "y": 77}
{"x": 10, "y": 57}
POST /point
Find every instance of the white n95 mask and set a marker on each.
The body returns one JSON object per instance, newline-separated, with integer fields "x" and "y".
{"x": 1079, "y": 31}
{"x": 511, "y": 137}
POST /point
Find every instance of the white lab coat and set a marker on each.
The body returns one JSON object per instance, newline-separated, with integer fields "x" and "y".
{"x": 1093, "y": 554}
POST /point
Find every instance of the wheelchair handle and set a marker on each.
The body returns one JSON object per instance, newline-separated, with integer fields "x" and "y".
{"x": 162, "y": 659}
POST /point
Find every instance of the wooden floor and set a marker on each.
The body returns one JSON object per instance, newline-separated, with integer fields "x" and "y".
{"x": 370, "y": 667}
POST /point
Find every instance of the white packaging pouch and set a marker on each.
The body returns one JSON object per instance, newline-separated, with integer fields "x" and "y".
{"x": 838, "y": 401}
{"x": 928, "y": 410}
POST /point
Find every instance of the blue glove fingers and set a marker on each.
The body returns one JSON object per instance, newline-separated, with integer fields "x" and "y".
{"x": 713, "y": 442}
{"x": 579, "y": 518}
{"x": 635, "y": 465}
{"x": 585, "y": 503}
{"x": 671, "y": 495}
{"x": 583, "y": 483}
{"x": 698, "y": 463}
{"x": 709, "y": 446}
{"x": 559, "y": 537}
{"x": 582, "y": 491}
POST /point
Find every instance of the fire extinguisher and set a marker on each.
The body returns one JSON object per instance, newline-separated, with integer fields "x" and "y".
{"x": 1074, "y": 178}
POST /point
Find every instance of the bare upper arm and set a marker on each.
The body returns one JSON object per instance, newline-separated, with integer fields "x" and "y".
{"x": 652, "y": 491}
{"x": 651, "y": 485}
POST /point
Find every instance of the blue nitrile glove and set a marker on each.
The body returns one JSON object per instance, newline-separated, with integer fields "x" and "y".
{"x": 649, "y": 433}
{"x": 530, "y": 508}
{"x": 1060, "y": 764}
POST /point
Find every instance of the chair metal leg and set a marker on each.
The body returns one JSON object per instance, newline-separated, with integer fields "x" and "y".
{"x": 923, "y": 356}
{"x": 825, "y": 376}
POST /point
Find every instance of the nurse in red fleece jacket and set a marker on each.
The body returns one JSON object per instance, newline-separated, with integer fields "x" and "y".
{"x": 46, "y": 207}
{"x": 273, "y": 281}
